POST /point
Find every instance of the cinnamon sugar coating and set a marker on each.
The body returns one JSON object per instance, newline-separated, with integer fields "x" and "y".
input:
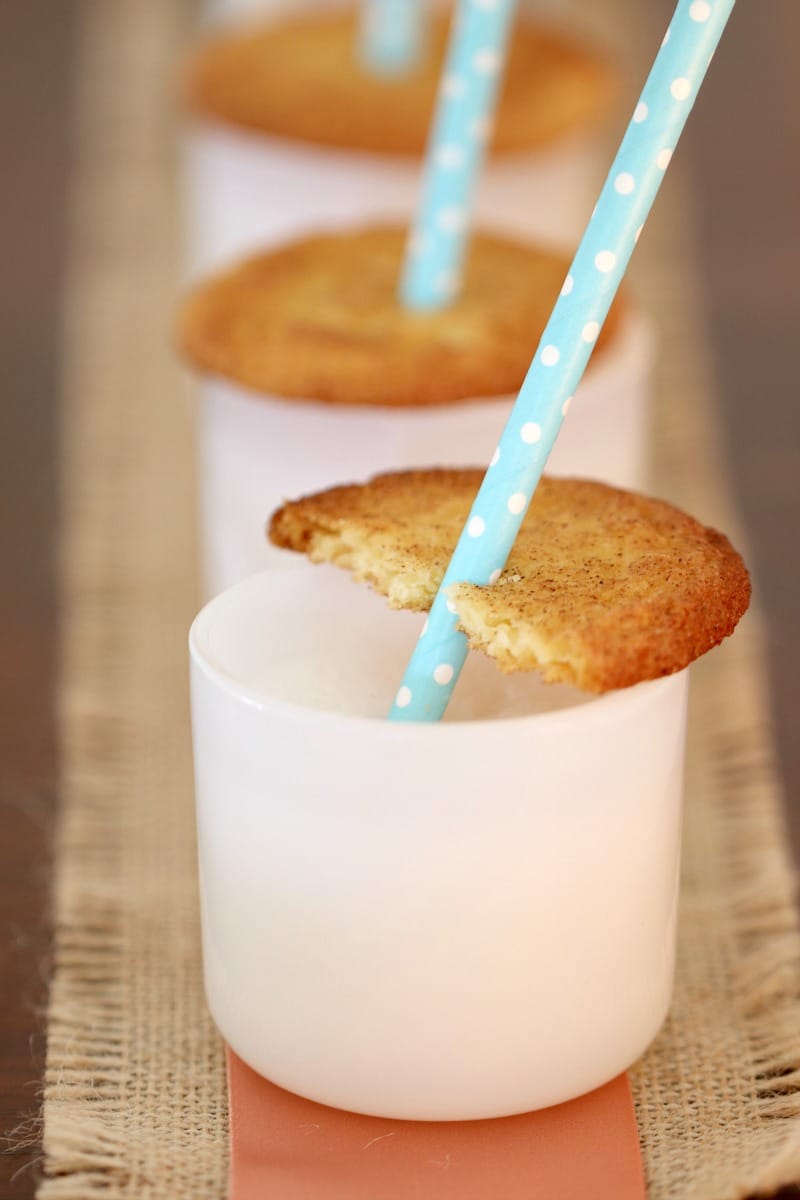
{"x": 320, "y": 319}
{"x": 300, "y": 78}
{"x": 604, "y": 588}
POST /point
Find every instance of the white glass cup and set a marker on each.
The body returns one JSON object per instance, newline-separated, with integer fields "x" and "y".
{"x": 257, "y": 451}
{"x": 434, "y": 922}
{"x": 246, "y": 190}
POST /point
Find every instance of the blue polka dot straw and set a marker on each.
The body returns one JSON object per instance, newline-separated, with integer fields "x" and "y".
{"x": 456, "y": 148}
{"x": 391, "y": 35}
{"x": 566, "y": 346}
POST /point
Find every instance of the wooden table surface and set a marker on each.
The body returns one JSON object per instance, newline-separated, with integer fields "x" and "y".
{"x": 744, "y": 145}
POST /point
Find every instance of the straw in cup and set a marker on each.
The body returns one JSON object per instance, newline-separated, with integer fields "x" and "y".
{"x": 391, "y": 35}
{"x": 462, "y": 126}
{"x": 565, "y": 347}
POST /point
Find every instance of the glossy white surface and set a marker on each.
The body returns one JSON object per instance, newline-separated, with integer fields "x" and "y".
{"x": 244, "y": 191}
{"x": 432, "y": 922}
{"x": 257, "y": 451}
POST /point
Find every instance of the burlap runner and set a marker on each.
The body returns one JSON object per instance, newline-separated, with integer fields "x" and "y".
{"x": 135, "y": 1102}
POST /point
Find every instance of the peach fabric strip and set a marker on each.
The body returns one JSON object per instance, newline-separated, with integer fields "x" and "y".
{"x": 288, "y": 1148}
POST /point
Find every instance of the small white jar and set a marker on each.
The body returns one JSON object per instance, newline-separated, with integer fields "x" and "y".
{"x": 444, "y": 922}
{"x": 257, "y": 451}
{"x": 245, "y": 189}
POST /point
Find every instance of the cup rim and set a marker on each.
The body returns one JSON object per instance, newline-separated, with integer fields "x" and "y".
{"x": 610, "y": 705}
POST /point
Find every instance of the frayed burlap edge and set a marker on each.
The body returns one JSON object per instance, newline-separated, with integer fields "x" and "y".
{"x": 135, "y": 1101}
{"x": 135, "y": 1097}
{"x": 718, "y": 1095}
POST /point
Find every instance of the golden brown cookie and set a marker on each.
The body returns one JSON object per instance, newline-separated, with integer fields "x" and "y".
{"x": 320, "y": 319}
{"x": 604, "y": 588}
{"x": 301, "y": 78}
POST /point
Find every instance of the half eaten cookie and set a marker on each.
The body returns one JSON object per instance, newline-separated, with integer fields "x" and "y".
{"x": 604, "y": 588}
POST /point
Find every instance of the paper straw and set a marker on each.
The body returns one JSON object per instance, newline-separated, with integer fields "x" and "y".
{"x": 456, "y": 149}
{"x": 391, "y": 35}
{"x": 565, "y": 347}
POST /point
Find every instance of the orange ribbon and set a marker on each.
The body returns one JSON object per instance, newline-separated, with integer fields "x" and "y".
{"x": 287, "y": 1148}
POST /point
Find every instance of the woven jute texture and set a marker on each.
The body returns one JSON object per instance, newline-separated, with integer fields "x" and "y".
{"x": 135, "y": 1103}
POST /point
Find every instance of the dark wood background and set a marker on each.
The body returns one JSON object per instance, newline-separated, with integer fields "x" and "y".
{"x": 36, "y": 64}
{"x": 744, "y": 147}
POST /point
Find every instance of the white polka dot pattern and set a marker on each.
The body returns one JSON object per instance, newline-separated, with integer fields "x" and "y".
{"x": 451, "y": 220}
{"x": 568, "y": 339}
{"x": 459, "y": 137}
{"x": 451, "y": 157}
{"x": 605, "y": 261}
{"x": 453, "y": 87}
